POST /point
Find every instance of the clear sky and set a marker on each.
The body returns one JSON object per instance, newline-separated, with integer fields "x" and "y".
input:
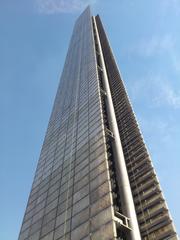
{"x": 34, "y": 36}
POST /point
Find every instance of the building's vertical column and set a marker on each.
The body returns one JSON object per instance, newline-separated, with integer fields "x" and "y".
{"x": 123, "y": 180}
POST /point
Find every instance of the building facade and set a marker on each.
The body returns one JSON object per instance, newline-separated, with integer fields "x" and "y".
{"x": 94, "y": 178}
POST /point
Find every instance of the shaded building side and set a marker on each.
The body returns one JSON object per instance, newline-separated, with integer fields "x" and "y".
{"x": 151, "y": 209}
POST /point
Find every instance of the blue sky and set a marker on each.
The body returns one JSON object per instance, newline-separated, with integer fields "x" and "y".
{"x": 145, "y": 37}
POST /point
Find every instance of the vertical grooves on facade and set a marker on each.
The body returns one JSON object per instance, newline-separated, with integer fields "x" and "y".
{"x": 71, "y": 195}
{"x": 153, "y": 217}
{"x": 108, "y": 139}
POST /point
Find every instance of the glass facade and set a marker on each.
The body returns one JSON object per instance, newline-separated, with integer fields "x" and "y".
{"x": 71, "y": 187}
{"x": 75, "y": 192}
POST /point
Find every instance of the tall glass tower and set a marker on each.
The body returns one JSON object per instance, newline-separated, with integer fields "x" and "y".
{"x": 94, "y": 179}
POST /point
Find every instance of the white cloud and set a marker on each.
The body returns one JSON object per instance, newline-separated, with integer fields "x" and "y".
{"x": 156, "y": 87}
{"x": 156, "y": 45}
{"x": 171, "y": 4}
{"x": 157, "y": 90}
{"x": 62, "y": 6}
{"x": 159, "y": 45}
{"x": 175, "y": 62}
{"x": 168, "y": 95}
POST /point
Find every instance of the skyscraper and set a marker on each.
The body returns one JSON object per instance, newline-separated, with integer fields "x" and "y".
{"x": 94, "y": 178}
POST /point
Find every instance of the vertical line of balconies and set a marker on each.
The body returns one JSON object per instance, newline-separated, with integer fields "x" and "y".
{"x": 153, "y": 216}
{"x": 122, "y": 222}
